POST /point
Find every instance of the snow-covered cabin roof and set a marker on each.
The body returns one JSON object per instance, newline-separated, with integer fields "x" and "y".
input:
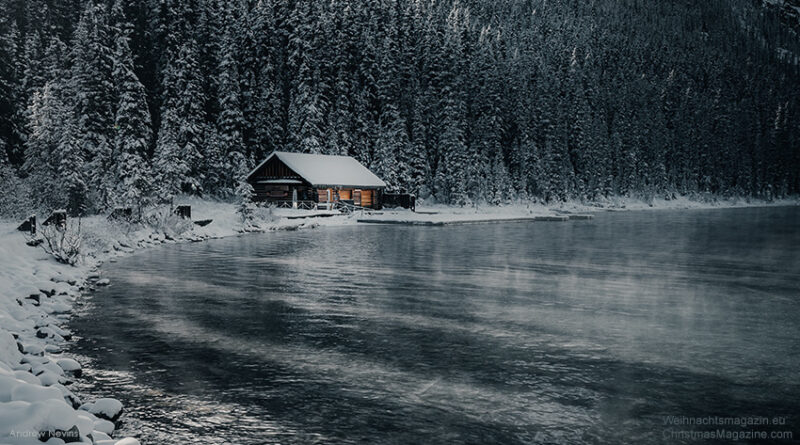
{"x": 326, "y": 170}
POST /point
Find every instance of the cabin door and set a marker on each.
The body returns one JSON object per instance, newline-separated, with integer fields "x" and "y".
{"x": 357, "y": 197}
{"x": 294, "y": 198}
{"x": 366, "y": 198}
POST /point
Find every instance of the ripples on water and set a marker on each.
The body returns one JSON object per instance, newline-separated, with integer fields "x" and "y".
{"x": 579, "y": 332}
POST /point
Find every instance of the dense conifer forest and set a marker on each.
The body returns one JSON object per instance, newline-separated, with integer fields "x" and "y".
{"x": 459, "y": 101}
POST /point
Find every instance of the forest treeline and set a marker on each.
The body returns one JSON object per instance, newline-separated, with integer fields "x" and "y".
{"x": 131, "y": 102}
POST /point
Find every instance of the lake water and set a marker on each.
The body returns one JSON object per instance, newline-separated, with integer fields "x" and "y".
{"x": 549, "y": 332}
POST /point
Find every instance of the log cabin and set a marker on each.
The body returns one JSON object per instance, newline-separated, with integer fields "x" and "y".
{"x": 302, "y": 180}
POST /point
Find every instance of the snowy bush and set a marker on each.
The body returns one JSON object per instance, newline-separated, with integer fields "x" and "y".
{"x": 163, "y": 219}
{"x": 265, "y": 213}
{"x": 100, "y": 235}
{"x": 62, "y": 242}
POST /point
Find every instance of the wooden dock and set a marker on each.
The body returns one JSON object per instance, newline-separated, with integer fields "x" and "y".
{"x": 412, "y": 222}
{"x": 313, "y": 215}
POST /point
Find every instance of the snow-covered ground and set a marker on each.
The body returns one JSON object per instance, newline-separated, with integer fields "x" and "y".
{"x": 37, "y": 295}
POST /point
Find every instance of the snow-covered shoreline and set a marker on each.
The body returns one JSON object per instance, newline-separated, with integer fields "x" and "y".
{"x": 37, "y": 296}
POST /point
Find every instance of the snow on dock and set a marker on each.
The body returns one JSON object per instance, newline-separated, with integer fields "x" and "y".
{"x": 453, "y": 218}
{"x": 443, "y": 223}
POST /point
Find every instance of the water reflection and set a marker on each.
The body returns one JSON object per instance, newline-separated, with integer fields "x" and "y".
{"x": 580, "y": 332}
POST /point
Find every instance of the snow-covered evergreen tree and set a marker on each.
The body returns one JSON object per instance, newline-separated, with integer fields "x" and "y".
{"x": 230, "y": 122}
{"x": 93, "y": 84}
{"x": 11, "y": 93}
{"x": 307, "y": 107}
{"x": 247, "y": 207}
{"x": 46, "y": 115}
{"x": 179, "y": 148}
{"x": 55, "y": 164}
{"x": 132, "y": 126}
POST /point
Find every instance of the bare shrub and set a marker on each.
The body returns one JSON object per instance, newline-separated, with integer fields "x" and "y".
{"x": 265, "y": 213}
{"x": 63, "y": 242}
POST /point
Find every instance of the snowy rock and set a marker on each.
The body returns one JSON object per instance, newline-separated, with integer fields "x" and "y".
{"x": 47, "y": 366}
{"x": 48, "y": 378}
{"x": 86, "y": 422}
{"x": 60, "y": 307}
{"x": 61, "y": 332}
{"x": 9, "y": 351}
{"x": 127, "y": 441}
{"x": 33, "y": 349}
{"x": 35, "y": 298}
{"x": 35, "y": 393}
{"x": 27, "y": 377}
{"x": 106, "y": 408}
{"x": 104, "y": 426}
{"x": 69, "y": 397}
{"x": 70, "y": 366}
{"x": 64, "y": 436}
{"x": 52, "y": 349}
{"x": 99, "y": 435}
{"x": 103, "y": 282}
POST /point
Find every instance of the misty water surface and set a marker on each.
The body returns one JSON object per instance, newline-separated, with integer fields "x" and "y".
{"x": 579, "y": 332}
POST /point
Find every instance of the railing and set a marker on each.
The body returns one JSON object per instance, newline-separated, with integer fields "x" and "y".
{"x": 306, "y": 205}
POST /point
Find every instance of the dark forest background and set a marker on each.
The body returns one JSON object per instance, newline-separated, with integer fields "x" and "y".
{"x": 127, "y": 103}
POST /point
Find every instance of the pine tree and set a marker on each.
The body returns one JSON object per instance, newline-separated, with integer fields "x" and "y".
{"x": 171, "y": 167}
{"x": 44, "y": 127}
{"x": 179, "y": 156}
{"x": 501, "y": 189}
{"x": 54, "y": 163}
{"x": 307, "y": 107}
{"x": 453, "y": 177}
{"x": 92, "y": 81}
{"x": 392, "y": 140}
{"x": 11, "y": 132}
{"x": 132, "y": 125}
{"x": 247, "y": 207}
{"x": 230, "y": 122}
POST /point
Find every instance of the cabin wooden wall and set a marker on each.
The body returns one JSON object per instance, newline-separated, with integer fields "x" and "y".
{"x": 322, "y": 195}
{"x": 360, "y": 197}
{"x": 282, "y": 192}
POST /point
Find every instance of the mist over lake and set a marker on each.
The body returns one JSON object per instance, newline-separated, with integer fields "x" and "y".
{"x": 601, "y": 331}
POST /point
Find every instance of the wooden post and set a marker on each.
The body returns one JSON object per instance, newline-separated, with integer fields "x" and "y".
{"x": 184, "y": 212}
{"x": 29, "y": 225}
